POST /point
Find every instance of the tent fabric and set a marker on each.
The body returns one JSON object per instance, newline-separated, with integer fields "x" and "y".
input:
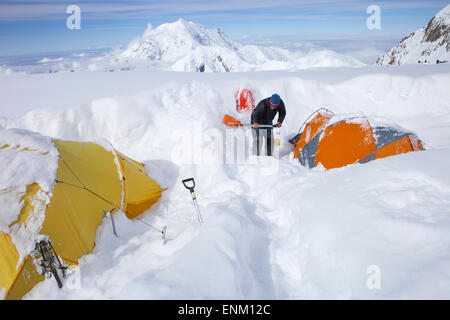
{"x": 25, "y": 278}
{"x": 311, "y": 130}
{"x": 350, "y": 140}
{"x": 343, "y": 142}
{"x": 140, "y": 192}
{"x": 88, "y": 165}
{"x": 90, "y": 179}
{"x": 402, "y": 145}
{"x": 8, "y": 261}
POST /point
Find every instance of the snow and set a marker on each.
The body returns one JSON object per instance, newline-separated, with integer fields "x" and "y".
{"x": 25, "y": 158}
{"x": 369, "y": 122}
{"x": 4, "y": 71}
{"x": 273, "y": 229}
{"x": 185, "y": 46}
{"x": 414, "y": 49}
{"x": 444, "y": 14}
{"x": 418, "y": 46}
{"x": 188, "y": 46}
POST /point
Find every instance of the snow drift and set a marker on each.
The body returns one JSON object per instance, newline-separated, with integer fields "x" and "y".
{"x": 286, "y": 233}
{"x": 26, "y": 158}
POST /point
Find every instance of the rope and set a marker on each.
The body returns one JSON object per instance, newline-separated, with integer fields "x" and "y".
{"x": 97, "y": 195}
{"x": 88, "y": 190}
{"x": 79, "y": 180}
{"x": 149, "y": 225}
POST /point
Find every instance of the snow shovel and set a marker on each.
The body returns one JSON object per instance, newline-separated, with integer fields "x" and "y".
{"x": 233, "y": 122}
{"x": 194, "y": 198}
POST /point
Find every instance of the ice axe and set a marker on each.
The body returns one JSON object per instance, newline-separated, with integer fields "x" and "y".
{"x": 194, "y": 198}
{"x": 233, "y": 122}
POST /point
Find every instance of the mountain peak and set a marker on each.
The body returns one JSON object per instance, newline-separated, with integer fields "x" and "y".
{"x": 188, "y": 34}
{"x": 180, "y": 23}
{"x": 430, "y": 43}
{"x": 188, "y": 46}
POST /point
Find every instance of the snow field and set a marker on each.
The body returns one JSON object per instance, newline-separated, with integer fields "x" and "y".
{"x": 293, "y": 233}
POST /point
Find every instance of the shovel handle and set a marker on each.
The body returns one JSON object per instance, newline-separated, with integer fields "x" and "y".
{"x": 261, "y": 125}
{"x": 191, "y": 188}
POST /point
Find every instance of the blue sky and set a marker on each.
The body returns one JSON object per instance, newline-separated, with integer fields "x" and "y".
{"x": 31, "y": 26}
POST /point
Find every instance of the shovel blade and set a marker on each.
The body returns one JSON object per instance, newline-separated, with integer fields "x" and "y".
{"x": 230, "y": 121}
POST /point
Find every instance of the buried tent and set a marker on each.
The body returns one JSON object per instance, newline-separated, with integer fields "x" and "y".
{"x": 59, "y": 190}
{"x": 336, "y": 141}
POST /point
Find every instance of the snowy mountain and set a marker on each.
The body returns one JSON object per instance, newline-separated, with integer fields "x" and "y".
{"x": 188, "y": 46}
{"x": 429, "y": 43}
{"x": 181, "y": 46}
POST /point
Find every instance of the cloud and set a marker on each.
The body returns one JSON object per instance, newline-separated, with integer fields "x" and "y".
{"x": 91, "y": 9}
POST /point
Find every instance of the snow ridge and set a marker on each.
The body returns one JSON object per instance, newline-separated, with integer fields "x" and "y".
{"x": 427, "y": 44}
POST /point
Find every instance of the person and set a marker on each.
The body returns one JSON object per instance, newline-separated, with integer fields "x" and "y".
{"x": 263, "y": 115}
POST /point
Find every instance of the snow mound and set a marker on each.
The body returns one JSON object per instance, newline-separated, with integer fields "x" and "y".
{"x": 26, "y": 159}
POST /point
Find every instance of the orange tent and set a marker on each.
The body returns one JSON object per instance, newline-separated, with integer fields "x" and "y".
{"x": 335, "y": 142}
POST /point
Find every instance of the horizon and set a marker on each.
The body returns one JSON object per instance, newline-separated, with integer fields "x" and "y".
{"x": 34, "y": 27}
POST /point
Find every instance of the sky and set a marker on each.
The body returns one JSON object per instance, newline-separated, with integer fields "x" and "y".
{"x": 33, "y": 26}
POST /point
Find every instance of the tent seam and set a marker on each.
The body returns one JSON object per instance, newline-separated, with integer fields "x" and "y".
{"x": 124, "y": 183}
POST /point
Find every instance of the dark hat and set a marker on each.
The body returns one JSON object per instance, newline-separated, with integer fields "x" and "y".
{"x": 275, "y": 99}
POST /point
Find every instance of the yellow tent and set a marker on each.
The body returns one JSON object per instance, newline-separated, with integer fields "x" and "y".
{"x": 89, "y": 180}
